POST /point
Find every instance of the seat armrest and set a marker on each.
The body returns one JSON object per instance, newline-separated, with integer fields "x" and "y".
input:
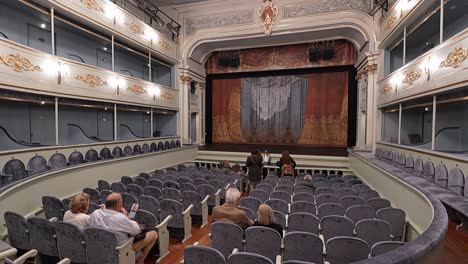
{"x": 7, "y": 253}
{"x": 64, "y": 261}
{"x": 187, "y": 223}
{"x": 125, "y": 252}
{"x": 187, "y": 211}
{"x": 30, "y": 254}
{"x": 126, "y": 244}
{"x": 235, "y": 250}
{"x": 205, "y": 200}
{"x": 204, "y": 210}
{"x": 165, "y": 222}
{"x": 278, "y": 259}
{"x": 53, "y": 220}
{"x": 163, "y": 237}
{"x": 217, "y": 198}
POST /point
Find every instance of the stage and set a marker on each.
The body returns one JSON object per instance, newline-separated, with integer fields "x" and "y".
{"x": 293, "y": 150}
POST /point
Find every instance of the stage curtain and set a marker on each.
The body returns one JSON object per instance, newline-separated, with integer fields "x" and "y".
{"x": 326, "y": 117}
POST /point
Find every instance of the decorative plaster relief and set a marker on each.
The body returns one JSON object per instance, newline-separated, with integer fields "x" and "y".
{"x": 91, "y": 80}
{"x": 193, "y": 25}
{"x": 411, "y": 77}
{"x": 455, "y": 58}
{"x": 137, "y": 89}
{"x": 167, "y": 96}
{"x": 268, "y": 15}
{"x": 93, "y": 5}
{"x": 313, "y": 7}
{"x": 387, "y": 88}
{"x": 18, "y": 63}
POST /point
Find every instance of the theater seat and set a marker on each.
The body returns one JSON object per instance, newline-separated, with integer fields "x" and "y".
{"x": 102, "y": 247}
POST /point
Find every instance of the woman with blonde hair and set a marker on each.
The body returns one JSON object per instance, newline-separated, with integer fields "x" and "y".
{"x": 77, "y": 215}
{"x": 265, "y": 218}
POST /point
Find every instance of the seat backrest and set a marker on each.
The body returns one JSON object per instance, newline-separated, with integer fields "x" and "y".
{"x": 100, "y": 246}
{"x": 456, "y": 181}
{"x": 378, "y": 203}
{"x": 360, "y": 212}
{"x": 186, "y": 186}
{"x": 15, "y": 168}
{"x": 303, "y": 246}
{"x": 192, "y": 197}
{"x": 278, "y": 205}
{"x": 409, "y": 162}
{"x": 384, "y": 247}
{"x": 250, "y": 202}
{"x": 37, "y": 165}
{"x": 170, "y": 184}
{"x": 303, "y": 207}
{"x": 441, "y": 175}
{"x": 247, "y": 257}
{"x": 342, "y": 249}
{"x": 280, "y": 219}
{"x": 324, "y": 190}
{"x": 18, "y": 233}
{"x": 118, "y": 187}
{"x": 330, "y": 209}
{"x": 428, "y": 170}
{"x": 52, "y": 207}
{"x": 359, "y": 187}
{"x": 265, "y": 187}
{"x": 337, "y": 186}
{"x": 206, "y": 189}
{"x": 94, "y": 195}
{"x": 171, "y": 193}
{"x": 202, "y": 255}
{"x": 92, "y": 155}
{"x": 225, "y": 237}
{"x": 117, "y": 152}
{"x": 105, "y": 153}
{"x": 137, "y": 149}
{"x": 42, "y": 233}
{"x": 152, "y": 191}
{"x": 396, "y": 218}
{"x": 145, "y": 148}
{"x": 365, "y": 195}
{"x": 76, "y": 158}
{"x": 302, "y": 196}
{"x": 135, "y": 189}
{"x": 149, "y": 204}
{"x": 349, "y": 201}
{"x": 71, "y": 242}
{"x": 340, "y": 193}
{"x": 303, "y": 222}
{"x": 146, "y": 219}
{"x": 141, "y": 181}
{"x": 373, "y": 231}
{"x": 103, "y": 185}
{"x": 167, "y": 145}
{"x": 304, "y": 189}
{"x": 418, "y": 166}
{"x": 285, "y": 188}
{"x": 326, "y": 198}
{"x": 263, "y": 241}
{"x": 160, "y": 146}
{"x": 154, "y": 147}
{"x": 128, "y": 200}
{"x": 174, "y": 208}
{"x": 128, "y": 151}
{"x": 334, "y": 225}
{"x": 126, "y": 180}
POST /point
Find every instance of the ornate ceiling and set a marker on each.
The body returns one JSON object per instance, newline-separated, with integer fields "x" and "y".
{"x": 161, "y": 3}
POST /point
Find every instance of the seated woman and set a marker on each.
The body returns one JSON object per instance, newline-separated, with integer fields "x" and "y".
{"x": 286, "y": 164}
{"x": 77, "y": 214}
{"x": 265, "y": 218}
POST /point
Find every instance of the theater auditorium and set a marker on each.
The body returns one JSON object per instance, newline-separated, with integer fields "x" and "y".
{"x": 233, "y": 131}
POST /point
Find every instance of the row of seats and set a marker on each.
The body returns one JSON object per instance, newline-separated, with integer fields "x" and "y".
{"x": 15, "y": 169}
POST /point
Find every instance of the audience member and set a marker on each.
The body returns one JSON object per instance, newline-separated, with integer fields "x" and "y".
{"x": 229, "y": 211}
{"x": 242, "y": 179}
{"x": 115, "y": 218}
{"x": 77, "y": 215}
{"x": 266, "y": 157}
{"x": 286, "y": 164}
{"x": 265, "y": 218}
{"x": 254, "y": 165}
{"x": 307, "y": 181}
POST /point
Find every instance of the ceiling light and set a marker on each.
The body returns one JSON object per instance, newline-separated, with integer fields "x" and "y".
{"x": 105, "y": 49}
{"x": 43, "y": 25}
{"x": 42, "y": 102}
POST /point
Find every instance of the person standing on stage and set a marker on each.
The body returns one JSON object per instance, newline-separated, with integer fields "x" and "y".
{"x": 254, "y": 168}
{"x": 286, "y": 164}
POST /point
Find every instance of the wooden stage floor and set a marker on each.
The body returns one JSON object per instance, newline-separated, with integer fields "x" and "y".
{"x": 298, "y": 150}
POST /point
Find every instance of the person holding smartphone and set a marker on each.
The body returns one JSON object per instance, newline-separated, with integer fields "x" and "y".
{"x": 114, "y": 217}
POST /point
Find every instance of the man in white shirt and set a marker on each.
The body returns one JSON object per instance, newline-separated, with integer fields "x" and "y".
{"x": 115, "y": 218}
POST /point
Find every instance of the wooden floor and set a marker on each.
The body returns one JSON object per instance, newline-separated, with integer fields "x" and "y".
{"x": 455, "y": 246}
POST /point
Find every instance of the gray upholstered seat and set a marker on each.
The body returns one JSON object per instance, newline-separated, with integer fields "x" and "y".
{"x": 250, "y": 214}
{"x": 184, "y": 179}
{"x": 418, "y": 167}
{"x": 360, "y": 212}
{"x": 280, "y": 218}
{"x": 396, "y": 218}
{"x": 150, "y": 204}
{"x": 441, "y": 175}
{"x": 359, "y": 187}
{"x": 428, "y": 170}
{"x": 401, "y": 160}
{"x": 265, "y": 187}
{"x": 202, "y": 255}
{"x": 337, "y": 186}
{"x": 336, "y": 180}
{"x": 94, "y": 195}
{"x": 126, "y": 180}
{"x": 37, "y": 165}
{"x": 349, "y": 177}
{"x": 219, "y": 185}
{"x": 321, "y": 184}
{"x": 170, "y": 184}
{"x": 118, "y": 187}
{"x": 145, "y": 176}
{"x": 171, "y": 193}
{"x": 93, "y": 207}
{"x": 456, "y": 181}
{"x": 187, "y": 187}
{"x": 206, "y": 189}
{"x": 154, "y": 147}
{"x": 135, "y": 189}
{"x": 248, "y": 258}
{"x": 287, "y": 178}
{"x": 272, "y": 177}
{"x": 174, "y": 208}
{"x": 92, "y": 155}
{"x": 365, "y": 195}
{"x": 42, "y": 233}
{"x": 334, "y": 225}
{"x": 340, "y": 193}
{"x": 128, "y": 151}
{"x": 101, "y": 246}
{"x": 145, "y": 148}
{"x": 105, "y": 154}
{"x": 259, "y": 194}
{"x": 353, "y": 182}
{"x": 373, "y": 231}
{"x": 324, "y": 190}
{"x": 304, "y": 189}
{"x": 378, "y": 203}
{"x": 303, "y": 207}
{"x": 195, "y": 199}
{"x": 66, "y": 204}
{"x": 142, "y": 182}
{"x": 303, "y": 222}
{"x": 278, "y": 205}
{"x": 285, "y": 183}
{"x": 409, "y": 163}
{"x": 269, "y": 182}
{"x": 303, "y": 246}
{"x": 18, "y": 231}
{"x": 156, "y": 183}
{"x": 326, "y": 198}
{"x": 14, "y": 170}
{"x": 250, "y": 202}
{"x": 384, "y": 247}
{"x": 71, "y": 242}
{"x": 302, "y": 196}
{"x": 103, "y": 185}
{"x": 225, "y": 237}
{"x": 52, "y": 207}
{"x": 117, "y": 152}
{"x": 76, "y": 158}
{"x": 330, "y": 209}
{"x": 344, "y": 250}
{"x": 349, "y": 201}
{"x": 137, "y": 149}
{"x": 128, "y": 200}
{"x": 263, "y": 241}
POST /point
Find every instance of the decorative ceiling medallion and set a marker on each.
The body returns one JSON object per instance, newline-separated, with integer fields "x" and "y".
{"x": 93, "y": 5}
{"x": 137, "y": 89}
{"x": 135, "y": 27}
{"x": 164, "y": 44}
{"x": 18, "y": 63}
{"x": 387, "y": 88}
{"x": 268, "y": 15}
{"x": 185, "y": 79}
{"x": 411, "y": 77}
{"x": 167, "y": 96}
{"x": 455, "y": 58}
{"x": 91, "y": 80}
{"x": 390, "y": 22}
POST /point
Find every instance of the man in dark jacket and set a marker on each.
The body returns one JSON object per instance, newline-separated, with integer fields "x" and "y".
{"x": 254, "y": 165}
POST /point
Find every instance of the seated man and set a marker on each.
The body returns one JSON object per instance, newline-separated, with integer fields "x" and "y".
{"x": 229, "y": 212}
{"x": 115, "y": 218}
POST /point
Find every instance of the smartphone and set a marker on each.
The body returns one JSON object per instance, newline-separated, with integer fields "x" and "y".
{"x": 133, "y": 210}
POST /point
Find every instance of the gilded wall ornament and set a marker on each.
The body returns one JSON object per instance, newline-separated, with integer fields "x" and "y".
{"x": 133, "y": 26}
{"x": 411, "y": 77}
{"x": 18, "y": 63}
{"x": 93, "y": 5}
{"x": 387, "y": 88}
{"x": 455, "y": 58}
{"x": 137, "y": 89}
{"x": 390, "y": 22}
{"x": 164, "y": 44}
{"x": 268, "y": 15}
{"x": 186, "y": 79}
{"x": 91, "y": 80}
{"x": 167, "y": 96}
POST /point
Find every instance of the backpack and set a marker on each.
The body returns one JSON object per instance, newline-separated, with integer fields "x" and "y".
{"x": 287, "y": 170}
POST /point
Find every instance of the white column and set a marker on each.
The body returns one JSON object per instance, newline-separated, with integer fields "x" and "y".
{"x": 373, "y": 119}
{"x": 52, "y": 29}
{"x": 56, "y": 122}
{"x": 184, "y": 109}
{"x": 434, "y": 120}
{"x": 115, "y": 122}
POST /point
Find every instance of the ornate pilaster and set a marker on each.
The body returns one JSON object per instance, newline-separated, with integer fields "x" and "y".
{"x": 184, "y": 121}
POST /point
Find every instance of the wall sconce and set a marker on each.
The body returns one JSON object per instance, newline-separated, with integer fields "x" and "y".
{"x": 397, "y": 80}
{"x": 62, "y": 72}
{"x": 428, "y": 66}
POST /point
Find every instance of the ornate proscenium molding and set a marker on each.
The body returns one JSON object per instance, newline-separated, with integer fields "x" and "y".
{"x": 387, "y": 88}
{"x": 314, "y": 7}
{"x": 18, "y": 63}
{"x": 135, "y": 27}
{"x": 371, "y": 68}
{"x": 268, "y": 15}
{"x": 186, "y": 79}
{"x": 91, "y": 80}
{"x": 93, "y": 5}
{"x": 411, "y": 77}
{"x": 201, "y": 86}
{"x": 193, "y": 25}
{"x": 390, "y": 22}
{"x": 455, "y": 58}
{"x": 167, "y": 96}
{"x": 137, "y": 89}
